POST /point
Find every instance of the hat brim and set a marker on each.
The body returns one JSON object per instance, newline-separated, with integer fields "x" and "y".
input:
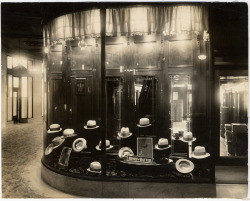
{"x": 123, "y": 149}
{"x": 49, "y": 149}
{"x": 83, "y": 146}
{"x": 181, "y": 169}
{"x": 91, "y": 128}
{"x": 119, "y": 134}
{"x": 71, "y": 135}
{"x": 157, "y": 147}
{"x": 89, "y": 170}
{"x": 49, "y": 131}
{"x": 188, "y": 140}
{"x": 200, "y": 157}
{"x": 144, "y": 125}
{"x": 54, "y": 147}
{"x": 107, "y": 148}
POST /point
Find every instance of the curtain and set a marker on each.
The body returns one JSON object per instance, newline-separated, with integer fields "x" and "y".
{"x": 169, "y": 20}
{"x": 147, "y": 20}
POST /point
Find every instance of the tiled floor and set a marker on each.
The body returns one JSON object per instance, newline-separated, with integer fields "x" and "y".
{"x": 21, "y": 167}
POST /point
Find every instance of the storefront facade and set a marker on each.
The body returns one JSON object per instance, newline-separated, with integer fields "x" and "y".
{"x": 128, "y": 95}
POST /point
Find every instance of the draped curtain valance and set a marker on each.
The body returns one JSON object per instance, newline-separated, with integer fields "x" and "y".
{"x": 168, "y": 20}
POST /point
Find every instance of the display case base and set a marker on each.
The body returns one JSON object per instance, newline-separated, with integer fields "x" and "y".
{"x": 126, "y": 189}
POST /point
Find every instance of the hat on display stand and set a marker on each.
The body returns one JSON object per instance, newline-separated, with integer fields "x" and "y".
{"x": 54, "y": 128}
{"x": 95, "y": 167}
{"x": 91, "y": 124}
{"x": 199, "y": 153}
{"x": 162, "y": 144}
{"x": 108, "y": 145}
{"x": 144, "y": 122}
{"x": 124, "y": 133}
{"x": 69, "y": 133}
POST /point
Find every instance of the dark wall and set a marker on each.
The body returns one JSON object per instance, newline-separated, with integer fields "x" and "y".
{"x": 230, "y": 31}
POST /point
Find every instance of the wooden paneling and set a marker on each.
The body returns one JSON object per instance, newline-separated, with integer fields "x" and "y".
{"x": 180, "y": 53}
{"x": 114, "y": 55}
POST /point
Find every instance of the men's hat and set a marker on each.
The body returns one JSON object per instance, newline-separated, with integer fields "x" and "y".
{"x": 184, "y": 166}
{"x": 91, "y": 124}
{"x": 144, "y": 122}
{"x": 124, "y": 133}
{"x": 79, "y": 144}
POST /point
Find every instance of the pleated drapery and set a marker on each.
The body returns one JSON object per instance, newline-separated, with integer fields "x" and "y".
{"x": 169, "y": 20}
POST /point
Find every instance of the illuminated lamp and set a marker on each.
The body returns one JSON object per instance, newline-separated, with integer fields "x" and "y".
{"x": 202, "y": 57}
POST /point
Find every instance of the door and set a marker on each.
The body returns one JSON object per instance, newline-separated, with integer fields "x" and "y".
{"x": 231, "y": 117}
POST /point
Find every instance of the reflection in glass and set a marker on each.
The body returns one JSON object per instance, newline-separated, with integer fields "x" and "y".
{"x": 15, "y": 82}
{"x": 9, "y": 62}
{"x": 144, "y": 88}
{"x": 30, "y": 95}
{"x": 9, "y": 97}
{"x": 233, "y": 115}
{"x": 24, "y": 98}
{"x": 180, "y": 103}
{"x": 15, "y": 103}
{"x": 114, "y": 108}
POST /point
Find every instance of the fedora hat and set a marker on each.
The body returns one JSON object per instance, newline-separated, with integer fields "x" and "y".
{"x": 54, "y": 128}
{"x": 144, "y": 122}
{"x": 69, "y": 133}
{"x": 79, "y": 144}
{"x": 184, "y": 166}
{"x": 162, "y": 144}
{"x": 108, "y": 145}
{"x": 95, "y": 167}
{"x": 91, "y": 124}
{"x": 124, "y": 133}
{"x": 199, "y": 152}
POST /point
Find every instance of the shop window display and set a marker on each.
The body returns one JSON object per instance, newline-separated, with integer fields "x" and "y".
{"x": 139, "y": 143}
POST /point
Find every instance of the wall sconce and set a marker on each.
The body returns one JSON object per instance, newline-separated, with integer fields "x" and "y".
{"x": 202, "y": 57}
{"x": 82, "y": 44}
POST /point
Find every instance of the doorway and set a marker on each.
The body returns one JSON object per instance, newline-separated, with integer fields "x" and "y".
{"x": 232, "y": 118}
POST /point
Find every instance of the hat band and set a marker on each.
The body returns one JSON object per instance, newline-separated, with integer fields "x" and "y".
{"x": 92, "y": 169}
{"x": 91, "y": 126}
{"x": 188, "y": 138}
{"x": 163, "y": 146}
{"x": 54, "y": 129}
{"x": 107, "y": 146}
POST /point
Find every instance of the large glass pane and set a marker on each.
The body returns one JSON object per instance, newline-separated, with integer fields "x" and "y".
{"x": 15, "y": 62}
{"x": 24, "y": 98}
{"x": 9, "y": 62}
{"x": 9, "y": 97}
{"x": 180, "y": 113}
{"x": 181, "y": 103}
{"x": 114, "y": 108}
{"x": 233, "y": 115}
{"x": 15, "y": 82}
{"x": 23, "y": 62}
{"x": 30, "y": 97}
